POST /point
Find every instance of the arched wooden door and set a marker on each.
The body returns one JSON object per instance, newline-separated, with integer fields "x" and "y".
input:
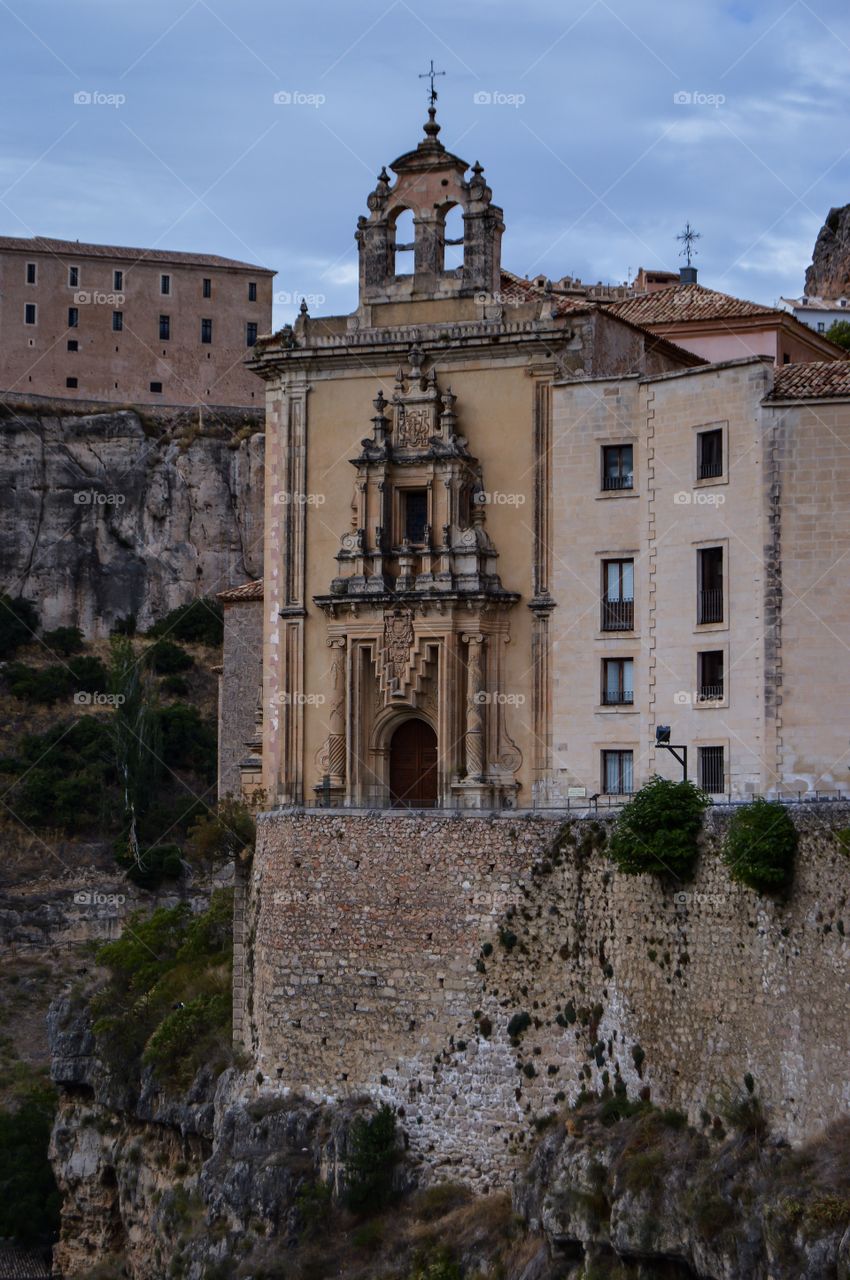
{"x": 413, "y": 766}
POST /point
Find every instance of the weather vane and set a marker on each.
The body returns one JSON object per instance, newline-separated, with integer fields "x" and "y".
{"x": 687, "y": 237}
{"x": 429, "y": 75}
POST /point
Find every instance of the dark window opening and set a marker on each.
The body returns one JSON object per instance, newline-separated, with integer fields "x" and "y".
{"x": 117, "y": 279}
{"x": 117, "y": 321}
{"x": 165, "y": 284}
{"x": 250, "y": 334}
{"x": 786, "y": 359}
{"x": 415, "y": 516}
{"x": 206, "y": 331}
{"x": 73, "y": 277}
{"x": 709, "y": 454}
{"x": 30, "y": 273}
{"x": 156, "y": 386}
{"x": 711, "y": 770}
{"x": 73, "y": 344}
{"x": 207, "y": 287}
{"x": 164, "y": 328}
{"x": 29, "y": 313}
{"x": 618, "y": 682}
{"x": 252, "y": 291}
{"x": 710, "y": 585}
{"x": 617, "y": 466}
{"x": 71, "y": 383}
{"x": 618, "y": 595}
{"x": 710, "y": 675}
{"x": 617, "y": 773}
{"x": 73, "y": 317}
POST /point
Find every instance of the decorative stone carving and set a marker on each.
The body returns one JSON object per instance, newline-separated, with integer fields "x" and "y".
{"x": 398, "y": 642}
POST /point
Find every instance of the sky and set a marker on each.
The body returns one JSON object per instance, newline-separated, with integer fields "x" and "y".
{"x": 256, "y": 130}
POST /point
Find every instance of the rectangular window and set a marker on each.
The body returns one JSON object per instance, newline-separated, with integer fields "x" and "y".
{"x": 117, "y": 280}
{"x": 156, "y": 386}
{"x": 30, "y": 273}
{"x": 617, "y": 467}
{"x": 252, "y": 292}
{"x": 164, "y": 328}
{"x": 165, "y": 284}
{"x": 617, "y": 773}
{"x": 73, "y": 345}
{"x": 711, "y": 770}
{"x": 710, "y": 585}
{"x": 618, "y": 688}
{"x": 821, "y": 324}
{"x": 117, "y": 321}
{"x": 207, "y": 288}
{"x": 415, "y": 516}
{"x": 618, "y": 595}
{"x": 206, "y": 331}
{"x": 29, "y": 313}
{"x": 73, "y": 317}
{"x": 250, "y": 334}
{"x": 73, "y": 277}
{"x": 709, "y": 454}
{"x": 71, "y": 383}
{"x": 710, "y": 675}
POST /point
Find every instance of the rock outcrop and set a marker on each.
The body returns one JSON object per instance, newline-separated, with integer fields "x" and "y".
{"x": 829, "y": 274}
{"x": 124, "y": 512}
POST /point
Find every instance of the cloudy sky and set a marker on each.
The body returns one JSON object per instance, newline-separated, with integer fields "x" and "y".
{"x": 602, "y": 125}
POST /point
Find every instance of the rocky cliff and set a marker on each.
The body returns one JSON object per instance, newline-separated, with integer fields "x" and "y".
{"x": 829, "y": 274}
{"x": 110, "y": 513}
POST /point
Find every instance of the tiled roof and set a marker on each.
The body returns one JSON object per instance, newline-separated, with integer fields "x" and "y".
{"x": 248, "y": 591}
{"x": 21, "y": 1264}
{"x": 816, "y": 304}
{"x": 813, "y": 380}
{"x": 686, "y": 302}
{"x": 74, "y": 248}
{"x": 517, "y": 289}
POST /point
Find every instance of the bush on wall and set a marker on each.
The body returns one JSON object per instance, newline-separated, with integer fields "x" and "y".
{"x": 657, "y": 830}
{"x": 760, "y": 846}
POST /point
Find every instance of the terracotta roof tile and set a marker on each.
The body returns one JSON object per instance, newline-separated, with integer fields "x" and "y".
{"x": 74, "y": 248}
{"x": 814, "y": 380}
{"x": 517, "y": 289}
{"x": 248, "y": 591}
{"x": 686, "y": 302}
{"x": 21, "y": 1264}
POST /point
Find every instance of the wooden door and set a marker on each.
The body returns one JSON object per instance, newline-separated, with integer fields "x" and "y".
{"x": 413, "y": 766}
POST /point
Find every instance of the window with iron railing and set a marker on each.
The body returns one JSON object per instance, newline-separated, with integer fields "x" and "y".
{"x": 709, "y": 454}
{"x": 710, "y": 585}
{"x": 711, "y": 770}
{"x": 618, "y": 595}
{"x": 710, "y": 681}
{"x": 617, "y": 466}
{"x": 618, "y": 682}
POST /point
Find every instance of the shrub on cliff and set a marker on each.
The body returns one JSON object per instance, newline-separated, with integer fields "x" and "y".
{"x": 65, "y": 778}
{"x": 223, "y": 834}
{"x": 760, "y": 846}
{"x": 657, "y": 831}
{"x": 49, "y": 684}
{"x": 187, "y": 740}
{"x": 371, "y": 1159}
{"x": 64, "y": 641}
{"x": 18, "y": 624}
{"x": 199, "y": 622}
{"x": 29, "y": 1204}
{"x": 166, "y": 658}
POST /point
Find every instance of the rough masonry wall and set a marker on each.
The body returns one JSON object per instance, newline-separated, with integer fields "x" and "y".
{"x": 382, "y": 956}
{"x": 241, "y": 685}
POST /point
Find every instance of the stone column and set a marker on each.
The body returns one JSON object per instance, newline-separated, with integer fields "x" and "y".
{"x": 336, "y": 718}
{"x": 474, "y": 738}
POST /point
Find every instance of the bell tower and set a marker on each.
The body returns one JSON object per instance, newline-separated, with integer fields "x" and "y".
{"x": 430, "y": 182}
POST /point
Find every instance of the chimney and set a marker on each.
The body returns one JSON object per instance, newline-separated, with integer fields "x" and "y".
{"x": 687, "y": 275}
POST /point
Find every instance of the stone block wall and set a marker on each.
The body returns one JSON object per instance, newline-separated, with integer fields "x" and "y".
{"x": 240, "y": 688}
{"x": 386, "y": 953}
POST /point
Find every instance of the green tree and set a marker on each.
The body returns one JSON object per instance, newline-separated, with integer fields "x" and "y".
{"x": 839, "y": 333}
{"x": 136, "y": 737}
{"x": 760, "y": 846}
{"x": 372, "y": 1156}
{"x": 29, "y": 1198}
{"x": 18, "y": 624}
{"x": 657, "y": 831}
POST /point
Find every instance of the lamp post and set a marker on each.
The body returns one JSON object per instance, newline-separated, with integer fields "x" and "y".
{"x": 662, "y": 739}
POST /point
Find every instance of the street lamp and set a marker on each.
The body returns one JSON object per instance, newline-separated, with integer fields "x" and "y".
{"x": 662, "y": 740}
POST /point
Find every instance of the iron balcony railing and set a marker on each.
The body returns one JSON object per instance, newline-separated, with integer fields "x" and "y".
{"x": 617, "y": 482}
{"x": 710, "y": 469}
{"x": 617, "y": 697}
{"x": 711, "y": 605}
{"x": 618, "y": 615}
{"x": 711, "y": 693}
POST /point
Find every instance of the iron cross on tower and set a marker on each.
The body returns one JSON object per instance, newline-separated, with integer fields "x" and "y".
{"x": 429, "y": 75}
{"x": 688, "y": 239}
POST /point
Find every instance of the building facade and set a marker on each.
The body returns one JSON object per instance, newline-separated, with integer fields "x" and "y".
{"x": 819, "y": 314}
{"x": 129, "y": 326}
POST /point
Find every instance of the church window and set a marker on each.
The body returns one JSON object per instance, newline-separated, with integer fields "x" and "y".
{"x": 415, "y": 515}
